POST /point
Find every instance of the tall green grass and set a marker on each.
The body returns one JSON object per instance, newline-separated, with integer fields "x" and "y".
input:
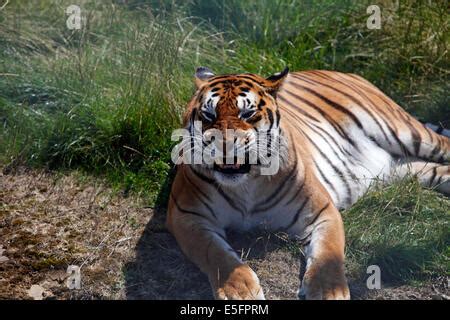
{"x": 403, "y": 229}
{"x": 106, "y": 97}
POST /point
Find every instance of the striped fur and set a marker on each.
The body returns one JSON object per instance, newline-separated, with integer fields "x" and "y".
{"x": 341, "y": 134}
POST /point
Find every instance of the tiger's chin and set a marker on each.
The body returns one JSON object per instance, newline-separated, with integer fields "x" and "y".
{"x": 230, "y": 175}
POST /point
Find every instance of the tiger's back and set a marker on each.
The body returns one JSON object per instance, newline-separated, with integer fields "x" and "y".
{"x": 354, "y": 133}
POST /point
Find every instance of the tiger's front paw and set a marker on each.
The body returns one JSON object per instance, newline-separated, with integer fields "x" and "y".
{"x": 326, "y": 282}
{"x": 242, "y": 284}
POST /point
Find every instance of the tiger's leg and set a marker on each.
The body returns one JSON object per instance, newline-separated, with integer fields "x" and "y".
{"x": 324, "y": 277}
{"x": 430, "y": 174}
{"x": 412, "y": 139}
{"x": 205, "y": 245}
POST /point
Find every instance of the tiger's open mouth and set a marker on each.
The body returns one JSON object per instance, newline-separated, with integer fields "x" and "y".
{"x": 232, "y": 168}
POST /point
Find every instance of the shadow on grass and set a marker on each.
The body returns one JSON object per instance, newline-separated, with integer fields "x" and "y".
{"x": 160, "y": 270}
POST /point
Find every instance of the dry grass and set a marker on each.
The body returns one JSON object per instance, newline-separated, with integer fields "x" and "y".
{"x": 49, "y": 222}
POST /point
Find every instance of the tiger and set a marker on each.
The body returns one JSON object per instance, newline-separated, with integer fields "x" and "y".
{"x": 338, "y": 135}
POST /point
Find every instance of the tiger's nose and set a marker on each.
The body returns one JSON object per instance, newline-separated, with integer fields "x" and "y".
{"x": 237, "y": 137}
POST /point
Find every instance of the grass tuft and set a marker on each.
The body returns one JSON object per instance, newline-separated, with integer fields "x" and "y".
{"x": 403, "y": 229}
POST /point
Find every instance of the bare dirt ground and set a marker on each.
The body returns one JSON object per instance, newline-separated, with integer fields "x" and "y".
{"x": 49, "y": 221}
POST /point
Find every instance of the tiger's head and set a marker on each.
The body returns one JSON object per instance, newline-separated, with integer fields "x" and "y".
{"x": 239, "y": 116}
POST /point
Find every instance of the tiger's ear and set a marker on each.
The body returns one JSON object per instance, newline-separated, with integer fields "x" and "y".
{"x": 274, "y": 82}
{"x": 202, "y": 74}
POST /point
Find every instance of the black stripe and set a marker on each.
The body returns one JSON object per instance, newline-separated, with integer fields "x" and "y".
{"x": 185, "y": 210}
{"x": 339, "y": 173}
{"x": 327, "y": 181}
{"x": 193, "y": 114}
{"x": 438, "y": 182}
{"x": 335, "y": 105}
{"x": 375, "y": 91}
{"x": 211, "y": 239}
{"x": 417, "y": 139}
{"x": 196, "y": 187}
{"x": 297, "y": 214}
{"x": 393, "y": 132}
{"x": 343, "y": 161}
{"x": 202, "y": 193}
{"x": 222, "y": 77}
{"x": 254, "y": 119}
{"x": 433, "y": 176}
{"x": 338, "y": 145}
{"x": 349, "y": 172}
{"x": 277, "y": 112}
{"x": 295, "y": 195}
{"x": 267, "y": 202}
{"x": 250, "y": 84}
{"x": 318, "y": 214}
{"x": 218, "y": 189}
{"x": 335, "y": 142}
{"x": 251, "y": 78}
{"x": 333, "y": 123}
{"x": 270, "y": 116}
{"x": 428, "y": 131}
{"x": 261, "y": 104}
{"x": 303, "y": 112}
{"x": 214, "y": 232}
{"x": 415, "y": 134}
{"x": 314, "y": 221}
{"x": 228, "y": 79}
{"x": 229, "y": 200}
{"x": 434, "y": 152}
{"x": 352, "y": 98}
